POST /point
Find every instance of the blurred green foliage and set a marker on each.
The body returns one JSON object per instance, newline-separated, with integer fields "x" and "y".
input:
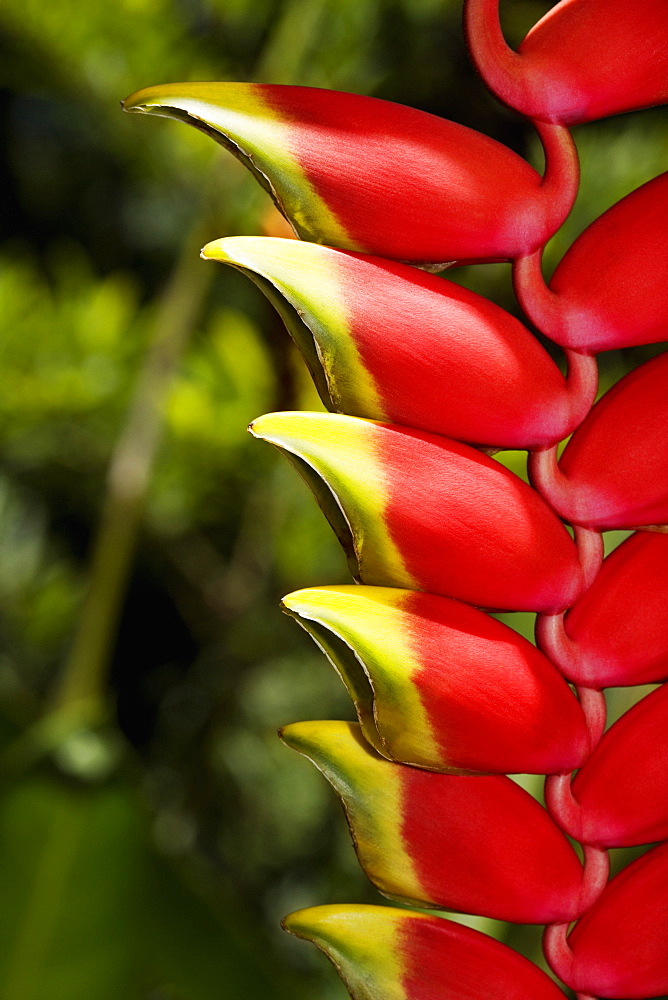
{"x": 149, "y": 848}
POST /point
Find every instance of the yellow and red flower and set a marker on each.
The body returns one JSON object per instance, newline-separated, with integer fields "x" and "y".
{"x": 383, "y": 953}
{"x": 442, "y": 686}
{"x": 389, "y": 342}
{"x": 406, "y": 822}
{"x": 365, "y": 174}
{"x": 423, "y": 512}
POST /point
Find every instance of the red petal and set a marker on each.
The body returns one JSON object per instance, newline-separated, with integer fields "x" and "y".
{"x": 440, "y": 685}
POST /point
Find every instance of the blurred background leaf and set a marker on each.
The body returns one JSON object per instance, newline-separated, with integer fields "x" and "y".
{"x": 150, "y": 846}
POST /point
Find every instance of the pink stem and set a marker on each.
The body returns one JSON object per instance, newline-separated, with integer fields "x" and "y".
{"x": 561, "y": 804}
{"x": 539, "y": 302}
{"x": 582, "y": 383}
{"x": 501, "y": 67}
{"x": 596, "y": 874}
{"x": 547, "y": 478}
{"x": 595, "y": 710}
{"x": 552, "y": 639}
{"x": 590, "y": 549}
{"x": 561, "y": 177}
{"x": 557, "y": 950}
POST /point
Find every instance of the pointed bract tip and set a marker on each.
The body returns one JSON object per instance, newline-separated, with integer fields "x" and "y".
{"x": 312, "y": 920}
{"x": 292, "y": 923}
{"x": 295, "y": 601}
{"x": 215, "y": 251}
{"x": 134, "y": 102}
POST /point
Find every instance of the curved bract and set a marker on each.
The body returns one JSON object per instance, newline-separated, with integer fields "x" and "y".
{"x": 423, "y": 512}
{"x": 406, "y": 821}
{"x": 584, "y": 60}
{"x": 383, "y": 953}
{"x": 440, "y": 685}
{"x": 619, "y": 945}
{"x": 627, "y": 601}
{"x": 610, "y": 290}
{"x": 623, "y": 787}
{"x": 389, "y": 342}
{"x": 613, "y": 472}
{"x": 365, "y": 174}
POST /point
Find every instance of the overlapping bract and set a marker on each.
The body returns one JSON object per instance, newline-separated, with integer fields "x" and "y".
{"x": 617, "y": 633}
{"x": 619, "y": 945}
{"x": 423, "y": 512}
{"x": 339, "y": 166}
{"x": 443, "y": 686}
{"x": 406, "y": 821}
{"x": 389, "y": 342}
{"x": 617, "y": 808}
{"x": 613, "y": 472}
{"x": 584, "y": 60}
{"x": 610, "y": 290}
{"x": 402, "y": 955}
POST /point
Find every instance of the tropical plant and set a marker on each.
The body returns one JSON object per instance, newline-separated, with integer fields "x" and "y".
{"x": 426, "y": 382}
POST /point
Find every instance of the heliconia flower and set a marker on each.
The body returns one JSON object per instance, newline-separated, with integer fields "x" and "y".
{"x": 622, "y": 789}
{"x": 610, "y": 289}
{"x": 619, "y": 945}
{"x": 628, "y": 599}
{"x": 370, "y": 175}
{"x": 383, "y": 953}
{"x": 613, "y": 472}
{"x": 440, "y": 685}
{"x": 584, "y": 60}
{"x": 386, "y": 341}
{"x": 436, "y": 839}
{"x": 423, "y": 512}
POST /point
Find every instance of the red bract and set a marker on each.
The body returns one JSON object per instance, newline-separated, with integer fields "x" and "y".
{"x": 370, "y": 175}
{"x": 614, "y": 473}
{"x": 584, "y": 60}
{"x": 384, "y": 953}
{"x": 619, "y": 627}
{"x": 611, "y": 288}
{"x": 619, "y": 945}
{"x": 623, "y": 787}
{"x": 420, "y": 511}
{"x": 405, "y": 821}
{"x": 440, "y": 685}
{"x": 389, "y": 342}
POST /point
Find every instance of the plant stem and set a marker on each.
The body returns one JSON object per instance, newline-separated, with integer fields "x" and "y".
{"x": 81, "y": 687}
